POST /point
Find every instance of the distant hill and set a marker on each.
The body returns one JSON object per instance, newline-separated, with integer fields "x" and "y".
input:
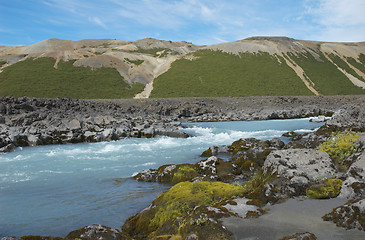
{"x": 107, "y": 68}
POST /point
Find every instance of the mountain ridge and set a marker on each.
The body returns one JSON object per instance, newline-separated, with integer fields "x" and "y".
{"x": 147, "y": 60}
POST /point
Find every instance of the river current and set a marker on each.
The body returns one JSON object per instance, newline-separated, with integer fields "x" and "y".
{"x": 54, "y": 189}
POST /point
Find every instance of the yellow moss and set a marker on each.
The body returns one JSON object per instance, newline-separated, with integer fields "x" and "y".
{"x": 340, "y": 145}
{"x": 182, "y": 197}
{"x": 329, "y": 189}
{"x": 167, "y": 237}
{"x": 184, "y": 173}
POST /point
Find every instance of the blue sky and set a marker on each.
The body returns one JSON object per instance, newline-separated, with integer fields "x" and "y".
{"x": 202, "y": 22}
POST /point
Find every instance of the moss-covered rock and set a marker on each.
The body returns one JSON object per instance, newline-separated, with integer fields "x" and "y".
{"x": 329, "y": 188}
{"x": 207, "y": 153}
{"x": 340, "y": 145}
{"x": 176, "y": 202}
{"x": 201, "y": 223}
{"x": 262, "y": 189}
{"x": 248, "y": 155}
{"x": 184, "y": 173}
{"x": 300, "y": 236}
{"x": 97, "y": 231}
{"x": 169, "y": 173}
{"x": 350, "y": 215}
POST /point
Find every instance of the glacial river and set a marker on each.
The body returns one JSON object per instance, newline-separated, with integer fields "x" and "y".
{"x": 52, "y": 190}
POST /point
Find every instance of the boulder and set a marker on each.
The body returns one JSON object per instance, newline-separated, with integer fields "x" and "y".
{"x": 293, "y": 164}
{"x": 296, "y": 169}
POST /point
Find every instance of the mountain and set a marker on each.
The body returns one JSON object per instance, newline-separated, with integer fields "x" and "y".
{"x": 106, "y": 68}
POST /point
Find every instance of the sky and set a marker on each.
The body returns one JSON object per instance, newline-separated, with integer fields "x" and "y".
{"x": 201, "y": 22}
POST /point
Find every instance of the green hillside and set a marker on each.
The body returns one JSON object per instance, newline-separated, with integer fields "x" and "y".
{"x": 216, "y": 74}
{"x": 38, "y": 78}
{"x": 327, "y": 79}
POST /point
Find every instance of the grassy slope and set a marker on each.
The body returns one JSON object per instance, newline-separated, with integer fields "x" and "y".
{"x": 359, "y": 65}
{"x": 327, "y": 78}
{"x": 343, "y": 65}
{"x": 217, "y": 74}
{"x": 38, "y": 78}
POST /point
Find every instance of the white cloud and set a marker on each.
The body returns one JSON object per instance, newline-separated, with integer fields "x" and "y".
{"x": 339, "y": 20}
{"x": 342, "y": 12}
{"x": 97, "y": 21}
{"x": 216, "y": 20}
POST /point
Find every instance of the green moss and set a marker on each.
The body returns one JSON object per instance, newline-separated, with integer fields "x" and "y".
{"x": 330, "y": 188}
{"x": 340, "y": 145}
{"x": 207, "y": 153}
{"x": 184, "y": 173}
{"x": 327, "y": 79}
{"x": 217, "y": 74}
{"x": 38, "y": 78}
{"x": 184, "y": 196}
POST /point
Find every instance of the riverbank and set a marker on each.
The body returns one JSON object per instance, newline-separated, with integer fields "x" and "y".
{"x": 272, "y": 171}
{"x": 31, "y": 121}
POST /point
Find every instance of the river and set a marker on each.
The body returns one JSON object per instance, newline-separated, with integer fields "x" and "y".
{"x": 52, "y": 190}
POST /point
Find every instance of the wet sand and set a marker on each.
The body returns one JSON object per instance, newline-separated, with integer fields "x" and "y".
{"x": 290, "y": 217}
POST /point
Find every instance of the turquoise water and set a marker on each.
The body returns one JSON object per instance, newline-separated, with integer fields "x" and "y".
{"x": 52, "y": 190}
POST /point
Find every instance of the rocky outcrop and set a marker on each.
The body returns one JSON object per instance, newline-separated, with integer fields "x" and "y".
{"x": 349, "y": 116}
{"x": 350, "y": 215}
